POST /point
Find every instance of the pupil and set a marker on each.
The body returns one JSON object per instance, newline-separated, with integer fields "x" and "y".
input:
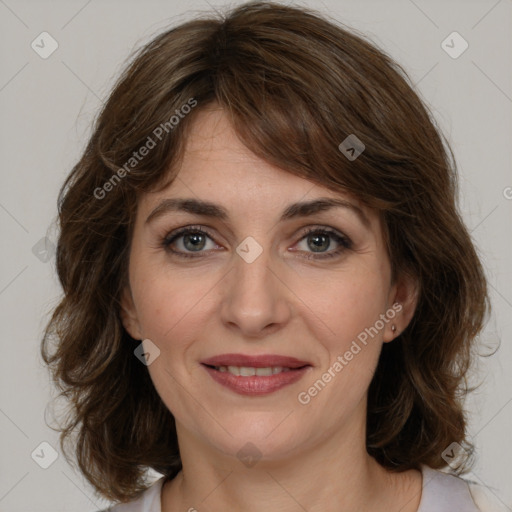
{"x": 319, "y": 241}
{"x": 196, "y": 239}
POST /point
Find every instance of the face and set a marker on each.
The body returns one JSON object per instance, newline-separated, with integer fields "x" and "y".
{"x": 286, "y": 292}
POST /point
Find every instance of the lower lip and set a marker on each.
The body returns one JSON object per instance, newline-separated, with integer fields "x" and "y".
{"x": 255, "y": 385}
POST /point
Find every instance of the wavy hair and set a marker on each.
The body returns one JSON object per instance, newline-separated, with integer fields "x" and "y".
{"x": 294, "y": 85}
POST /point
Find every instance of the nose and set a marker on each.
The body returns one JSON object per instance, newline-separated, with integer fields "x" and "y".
{"x": 255, "y": 298}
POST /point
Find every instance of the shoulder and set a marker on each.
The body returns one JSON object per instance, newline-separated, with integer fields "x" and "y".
{"x": 444, "y": 492}
{"x": 149, "y": 501}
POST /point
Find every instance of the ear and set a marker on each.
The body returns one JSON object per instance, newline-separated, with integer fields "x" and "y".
{"x": 403, "y": 299}
{"x": 129, "y": 316}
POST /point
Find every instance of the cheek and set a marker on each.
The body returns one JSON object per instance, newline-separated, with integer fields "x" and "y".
{"x": 173, "y": 310}
{"x": 345, "y": 304}
{"x": 344, "y": 324}
{"x": 166, "y": 298}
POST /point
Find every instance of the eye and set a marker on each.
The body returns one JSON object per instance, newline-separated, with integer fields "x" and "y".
{"x": 318, "y": 241}
{"x": 187, "y": 241}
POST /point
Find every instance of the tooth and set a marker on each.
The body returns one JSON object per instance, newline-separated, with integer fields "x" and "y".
{"x": 263, "y": 372}
{"x": 235, "y": 370}
{"x": 249, "y": 371}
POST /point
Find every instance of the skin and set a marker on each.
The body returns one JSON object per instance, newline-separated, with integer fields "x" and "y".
{"x": 313, "y": 456}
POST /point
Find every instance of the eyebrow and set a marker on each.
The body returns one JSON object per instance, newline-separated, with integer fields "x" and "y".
{"x": 294, "y": 210}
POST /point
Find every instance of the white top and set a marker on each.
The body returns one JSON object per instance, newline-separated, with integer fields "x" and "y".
{"x": 440, "y": 493}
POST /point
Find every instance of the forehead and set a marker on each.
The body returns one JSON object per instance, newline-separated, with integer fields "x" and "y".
{"x": 217, "y": 167}
{"x": 215, "y": 161}
{"x": 214, "y": 154}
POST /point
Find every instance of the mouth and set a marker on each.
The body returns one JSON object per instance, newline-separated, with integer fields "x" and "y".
{"x": 255, "y": 375}
{"x": 248, "y": 371}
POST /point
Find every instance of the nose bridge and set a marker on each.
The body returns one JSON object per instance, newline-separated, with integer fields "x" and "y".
{"x": 253, "y": 276}
{"x": 254, "y": 298}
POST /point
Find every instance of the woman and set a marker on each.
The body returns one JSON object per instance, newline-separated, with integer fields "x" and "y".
{"x": 269, "y": 295}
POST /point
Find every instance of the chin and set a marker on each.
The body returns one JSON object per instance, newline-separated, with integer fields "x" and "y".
{"x": 256, "y": 436}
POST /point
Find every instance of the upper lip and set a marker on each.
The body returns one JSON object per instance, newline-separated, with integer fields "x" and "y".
{"x": 261, "y": 361}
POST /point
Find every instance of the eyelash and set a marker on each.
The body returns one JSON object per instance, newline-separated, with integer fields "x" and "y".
{"x": 343, "y": 241}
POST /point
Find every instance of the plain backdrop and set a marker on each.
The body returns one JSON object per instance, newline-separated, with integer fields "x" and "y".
{"x": 48, "y": 105}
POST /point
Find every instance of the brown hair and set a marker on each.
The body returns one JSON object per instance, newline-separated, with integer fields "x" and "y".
{"x": 295, "y": 86}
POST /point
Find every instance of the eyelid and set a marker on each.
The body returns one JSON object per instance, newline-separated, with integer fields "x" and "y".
{"x": 185, "y": 229}
{"x": 320, "y": 227}
{"x": 174, "y": 234}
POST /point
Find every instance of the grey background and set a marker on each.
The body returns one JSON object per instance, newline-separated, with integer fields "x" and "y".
{"x": 47, "y": 108}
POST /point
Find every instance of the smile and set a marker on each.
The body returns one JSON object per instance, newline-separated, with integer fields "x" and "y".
{"x": 247, "y": 371}
{"x": 259, "y": 379}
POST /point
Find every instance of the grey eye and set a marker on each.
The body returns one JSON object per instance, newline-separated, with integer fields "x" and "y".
{"x": 319, "y": 242}
{"x": 194, "y": 241}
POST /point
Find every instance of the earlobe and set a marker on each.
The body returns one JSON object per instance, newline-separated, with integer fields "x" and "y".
{"x": 404, "y": 298}
{"x": 129, "y": 316}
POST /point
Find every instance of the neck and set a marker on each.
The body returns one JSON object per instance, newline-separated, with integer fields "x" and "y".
{"x": 331, "y": 475}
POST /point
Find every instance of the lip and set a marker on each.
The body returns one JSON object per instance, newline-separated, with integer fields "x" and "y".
{"x": 256, "y": 385}
{"x": 261, "y": 361}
